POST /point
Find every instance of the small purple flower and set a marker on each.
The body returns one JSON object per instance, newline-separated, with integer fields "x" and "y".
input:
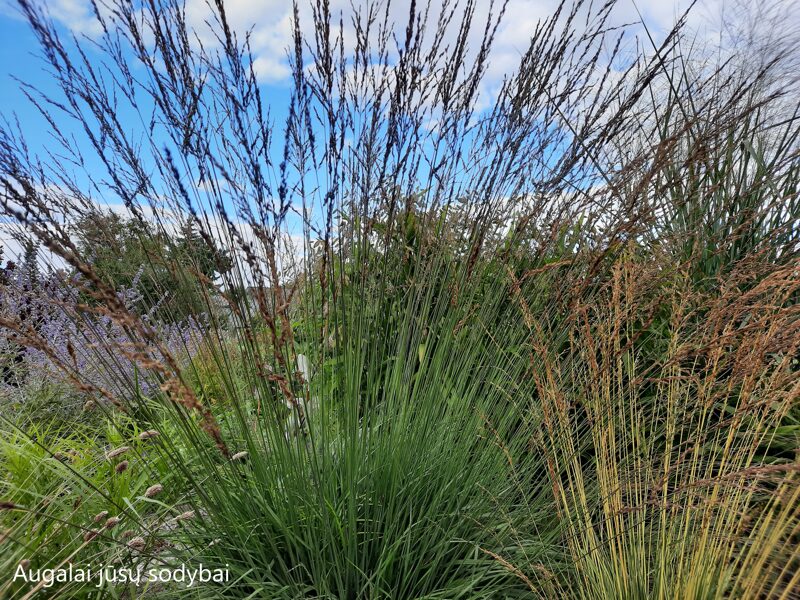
{"x": 94, "y": 348}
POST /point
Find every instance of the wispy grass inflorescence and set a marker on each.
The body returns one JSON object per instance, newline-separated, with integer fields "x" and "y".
{"x": 419, "y": 335}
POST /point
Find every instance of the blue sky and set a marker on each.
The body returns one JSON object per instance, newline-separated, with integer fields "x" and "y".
{"x": 270, "y": 23}
{"x": 17, "y": 58}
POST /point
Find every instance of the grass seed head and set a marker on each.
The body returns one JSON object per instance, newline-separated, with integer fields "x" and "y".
{"x": 117, "y": 452}
{"x": 153, "y": 490}
{"x": 100, "y": 516}
{"x": 137, "y": 544}
{"x": 112, "y": 522}
{"x": 90, "y": 535}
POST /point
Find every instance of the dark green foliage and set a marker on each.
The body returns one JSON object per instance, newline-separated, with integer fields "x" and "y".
{"x": 168, "y": 271}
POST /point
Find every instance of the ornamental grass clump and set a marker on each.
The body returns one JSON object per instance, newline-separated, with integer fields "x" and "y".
{"x": 458, "y": 340}
{"x": 672, "y": 472}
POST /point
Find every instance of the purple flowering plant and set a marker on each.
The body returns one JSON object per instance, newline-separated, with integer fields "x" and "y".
{"x": 83, "y": 345}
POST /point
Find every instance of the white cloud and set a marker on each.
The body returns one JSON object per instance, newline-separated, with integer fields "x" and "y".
{"x": 78, "y": 15}
{"x": 270, "y": 24}
{"x": 270, "y": 69}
